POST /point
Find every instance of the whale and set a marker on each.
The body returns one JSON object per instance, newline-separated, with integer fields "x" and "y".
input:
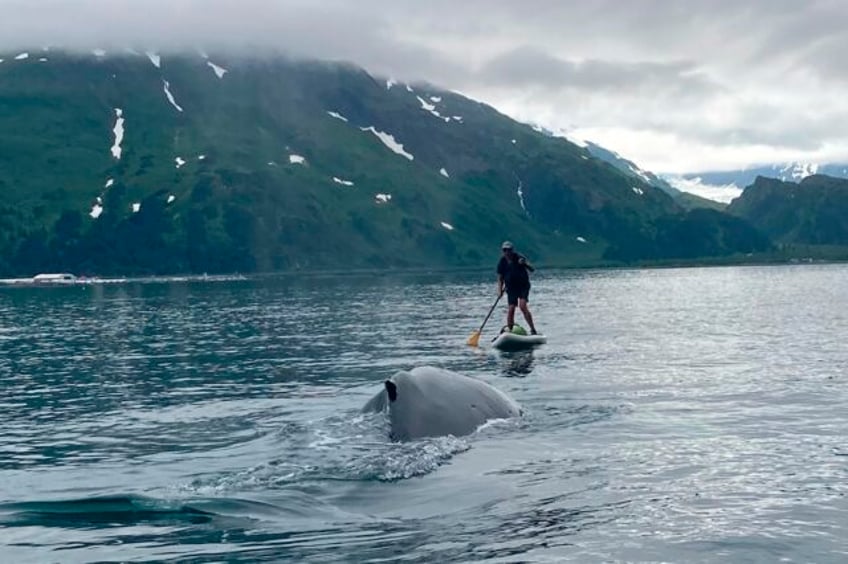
{"x": 433, "y": 402}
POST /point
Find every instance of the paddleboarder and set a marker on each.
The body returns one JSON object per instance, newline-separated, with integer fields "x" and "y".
{"x": 514, "y": 277}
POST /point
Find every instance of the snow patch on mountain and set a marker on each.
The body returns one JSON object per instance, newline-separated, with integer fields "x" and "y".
{"x": 136, "y": 207}
{"x": 581, "y": 240}
{"x": 171, "y": 199}
{"x": 431, "y": 109}
{"x": 444, "y": 173}
{"x": 171, "y": 96}
{"x": 638, "y": 190}
{"x": 99, "y": 53}
{"x": 337, "y": 115}
{"x": 219, "y": 71}
{"x": 154, "y": 58}
{"x": 96, "y": 210}
{"x": 389, "y": 141}
{"x": 180, "y": 162}
{"x": 447, "y": 226}
{"x": 425, "y": 105}
{"x": 341, "y": 181}
{"x": 382, "y": 198}
{"x": 559, "y": 133}
{"x": 296, "y": 159}
{"x": 798, "y": 171}
{"x": 109, "y": 183}
{"x": 641, "y": 174}
{"x": 720, "y": 193}
{"x": 390, "y": 82}
{"x": 22, "y": 56}
{"x": 520, "y": 191}
{"x": 118, "y": 130}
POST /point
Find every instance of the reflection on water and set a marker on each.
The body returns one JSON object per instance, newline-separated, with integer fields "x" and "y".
{"x": 674, "y": 415}
{"x": 517, "y": 364}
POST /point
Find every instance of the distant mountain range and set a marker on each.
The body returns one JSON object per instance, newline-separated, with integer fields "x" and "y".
{"x": 790, "y": 172}
{"x": 683, "y": 197}
{"x": 802, "y": 207}
{"x": 724, "y": 186}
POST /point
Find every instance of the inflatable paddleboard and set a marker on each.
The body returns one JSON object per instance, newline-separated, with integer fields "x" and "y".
{"x": 511, "y": 342}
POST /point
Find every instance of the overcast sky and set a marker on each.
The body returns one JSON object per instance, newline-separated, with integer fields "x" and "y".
{"x": 676, "y": 86}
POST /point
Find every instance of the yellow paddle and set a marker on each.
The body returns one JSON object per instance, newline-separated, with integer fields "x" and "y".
{"x": 474, "y": 339}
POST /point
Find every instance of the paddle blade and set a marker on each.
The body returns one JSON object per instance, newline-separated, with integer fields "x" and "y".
{"x": 474, "y": 339}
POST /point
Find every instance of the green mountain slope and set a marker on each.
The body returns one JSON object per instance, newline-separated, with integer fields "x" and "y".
{"x": 812, "y": 212}
{"x": 684, "y": 199}
{"x": 131, "y": 163}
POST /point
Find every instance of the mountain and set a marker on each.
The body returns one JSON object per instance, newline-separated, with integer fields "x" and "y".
{"x": 729, "y": 183}
{"x": 127, "y": 162}
{"x": 685, "y": 199}
{"x": 813, "y": 211}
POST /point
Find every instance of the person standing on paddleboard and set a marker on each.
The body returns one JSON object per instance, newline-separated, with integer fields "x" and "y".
{"x": 514, "y": 277}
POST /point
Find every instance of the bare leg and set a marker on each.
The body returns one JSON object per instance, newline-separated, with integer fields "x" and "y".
{"x": 522, "y": 305}
{"x": 510, "y": 317}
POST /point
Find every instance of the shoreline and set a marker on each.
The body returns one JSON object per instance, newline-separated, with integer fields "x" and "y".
{"x": 30, "y": 282}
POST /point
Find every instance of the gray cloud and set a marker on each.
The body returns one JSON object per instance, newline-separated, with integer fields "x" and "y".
{"x": 712, "y": 73}
{"x": 528, "y": 66}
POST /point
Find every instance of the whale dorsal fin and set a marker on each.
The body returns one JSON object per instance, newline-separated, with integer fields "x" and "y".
{"x": 391, "y": 389}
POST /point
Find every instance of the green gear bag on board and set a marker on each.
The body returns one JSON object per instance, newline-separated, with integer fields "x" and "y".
{"x": 518, "y": 330}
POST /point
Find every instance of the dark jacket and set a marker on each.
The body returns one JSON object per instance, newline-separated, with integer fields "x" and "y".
{"x": 514, "y": 273}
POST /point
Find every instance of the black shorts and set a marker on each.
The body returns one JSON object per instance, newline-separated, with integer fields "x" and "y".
{"x": 513, "y": 294}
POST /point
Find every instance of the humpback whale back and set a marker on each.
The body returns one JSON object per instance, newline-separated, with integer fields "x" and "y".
{"x": 431, "y": 402}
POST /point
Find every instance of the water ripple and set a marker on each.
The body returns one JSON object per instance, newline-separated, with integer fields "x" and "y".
{"x": 674, "y": 415}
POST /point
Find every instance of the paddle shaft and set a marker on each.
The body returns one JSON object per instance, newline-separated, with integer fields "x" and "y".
{"x": 492, "y": 309}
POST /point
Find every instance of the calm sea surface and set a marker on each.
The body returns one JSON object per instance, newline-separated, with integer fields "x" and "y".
{"x": 684, "y": 415}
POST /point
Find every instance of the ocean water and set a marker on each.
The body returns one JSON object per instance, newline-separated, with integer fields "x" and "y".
{"x": 679, "y": 415}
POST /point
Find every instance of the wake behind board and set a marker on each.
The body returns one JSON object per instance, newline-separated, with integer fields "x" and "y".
{"x": 511, "y": 342}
